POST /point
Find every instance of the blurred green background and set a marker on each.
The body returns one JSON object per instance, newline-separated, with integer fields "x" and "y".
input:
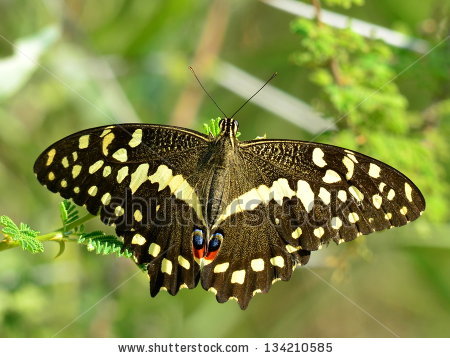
{"x": 70, "y": 65}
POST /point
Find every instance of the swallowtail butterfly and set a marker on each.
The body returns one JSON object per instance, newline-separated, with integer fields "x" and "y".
{"x": 236, "y": 216}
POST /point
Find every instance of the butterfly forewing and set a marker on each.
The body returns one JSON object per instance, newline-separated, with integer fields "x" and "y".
{"x": 123, "y": 173}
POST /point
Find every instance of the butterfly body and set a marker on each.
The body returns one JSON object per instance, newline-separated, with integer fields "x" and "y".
{"x": 236, "y": 216}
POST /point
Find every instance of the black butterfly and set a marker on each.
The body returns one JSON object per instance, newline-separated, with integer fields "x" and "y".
{"x": 236, "y": 215}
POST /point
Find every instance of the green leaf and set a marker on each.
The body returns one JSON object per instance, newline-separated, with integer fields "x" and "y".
{"x": 69, "y": 213}
{"x": 213, "y": 127}
{"x": 104, "y": 244}
{"x": 24, "y": 235}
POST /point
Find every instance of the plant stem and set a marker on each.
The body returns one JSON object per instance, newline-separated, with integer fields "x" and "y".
{"x": 58, "y": 235}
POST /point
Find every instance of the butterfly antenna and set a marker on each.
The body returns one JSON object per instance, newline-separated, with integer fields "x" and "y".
{"x": 200, "y": 83}
{"x": 264, "y": 85}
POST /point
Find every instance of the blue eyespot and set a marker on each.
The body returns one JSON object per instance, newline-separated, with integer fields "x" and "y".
{"x": 198, "y": 241}
{"x": 215, "y": 242}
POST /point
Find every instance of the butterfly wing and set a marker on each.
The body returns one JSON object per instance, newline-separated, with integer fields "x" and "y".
{"x": 124, "y": 173}
{"x": 337, "y": 194}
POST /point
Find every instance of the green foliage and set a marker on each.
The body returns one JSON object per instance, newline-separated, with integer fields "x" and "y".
{"x": 344, "y": 3}
{"x": 69, "y": 214}
{"x": 356, "y": 78}
{"x": 212, "y": 128}
{"x": 104, "y": 244}
{"x": 22, "y": 234}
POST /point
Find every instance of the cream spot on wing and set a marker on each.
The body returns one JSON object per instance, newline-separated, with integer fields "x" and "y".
{"x": 136, "y": 138}
{"x": 377, "y": 201}
{"x": 139, "y": 177}
{"x": 138, "y": 239}
{"x": 221, "y": 267}
{"x": 213, "y": 290}
{"x": 318, "y": 232}
{"x": 281, "y": 189}
{"x": 350, "y": 167}
{"x": 183, "y": 286}
{"x": 403, "y": 210}
{"x": 371, "y": 220}
{"x": 257, "y": 265}
{"x": 256, "y": 291}
{"x": 277, "y": 261}
{"x": 291, "y": 249}
{"x": 341, "y": 241}
{"x": 388, "y": 216}
{"x": 305, "y": 194}
{"x": 122, "y": 174}
{"x": 331, "y": 177}
{"x": 296, "y": 233}
{"x": 166, "y": 266}
{"x": 106, "y": 171}
{"x": 275, "y": 280}
{"x": 336, "y": 223}
{"x": 51, "y": 176}
{"x": 374, "y": 170}
{"x": 138, "y": 215}
{"x": 74, "y": 156}
{"x": 65, "y": 162}
{"x": 64, "y": 183}
{"x": 106, "y": 198}
{"x": 154, "y": 249}
{"x": 121, "y": 155}
{"x": 183, "y": 262}
{"x": 238, "y": 277}
{"x": 107, "y": 140}
{"x": 83, "y": 142}
{"x": 76, "y": 171}
{"x": 162, "y": 287}
{"x": 93, "y": 190}
{"x": 381, "y": 187}
{"x": 391, "y": 194}
{"x": 351, "y": 156}
{"x": 353, "y": 217}
{"x": 119, "y": 211}
{"x": 324, "y": 195}
{"x": 408, "y": 192}
{"x": 96, "y": 166}
{"x": 76, "y": 190}
{"x": 342, "y": 195}
{"x": 51, "y": 155}
{"x": 356, "y": 193}
{"x": 317, "y": 157}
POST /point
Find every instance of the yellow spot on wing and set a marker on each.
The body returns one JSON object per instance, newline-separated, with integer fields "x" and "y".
{"x": 403, "y": 210}
{"x": 317, "y": 157}
{"x": 305, "y": 194}
{"x": 408, "y": 192}
{"x": 106, "y": 171}
{"x": 121, "y": 155}
{"x": 107, "y": 140}
{"x": 122, "y": 174}
{"x": 166, "y": 266}
{"x": 353, "y": 217}
{"x": 296, "y": 233}
{"x": 93, "y": 191}
{"x": 331, "y": 177}
{"x": 83, "y": 142}
{"x": 138, "y": 215}
{"x": 51, "y": 155}
{"x": 356, "y": 193}
{"x": 277, "y": 261}
{"x": 374, "y": 170}
{"x": 106, "y": 198}
{"x": 154, "y": 249}
{"x": 76, "y": 171}
{"x": 96, "y": 166}
{"x": 136, "y": 138}
{"x": 221, "y": 267}
{"x": 138, "y": 240}
{"x": 65, "y": 162}
{"x": 183, "y": 262}
{"x": 238, "y": 277}
{"x": 391, "y": 194}
{"x": 257, "y": 265}
{"x": 51, "y": 176}
{"x": 377, "y": 201}
{"x": 139, "y": 177}
{"x": 318, "y": 232}
{"x": 349, "y": 164}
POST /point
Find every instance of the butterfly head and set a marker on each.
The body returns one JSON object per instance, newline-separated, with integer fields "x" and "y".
{"x": 228, "y": 127}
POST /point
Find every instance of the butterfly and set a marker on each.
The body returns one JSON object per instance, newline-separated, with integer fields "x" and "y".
{"x": 235, "y": 215}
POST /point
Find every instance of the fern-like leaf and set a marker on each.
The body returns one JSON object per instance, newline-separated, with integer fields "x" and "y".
{"x": 69, "y": 213}
{"x": 23, "y": 234}
{"x": 104, "y": 244}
